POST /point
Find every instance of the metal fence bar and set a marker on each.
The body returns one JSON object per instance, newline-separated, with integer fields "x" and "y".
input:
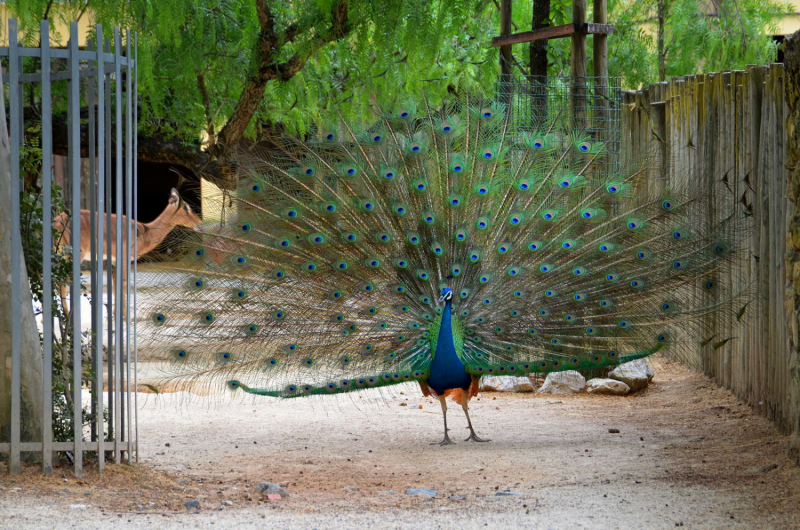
{"x": 112, "y": 295}
{"x": 96, "y": 257}
{"x": 16, "y": 245}
{"x": 128, "y": 245}
{"x": 93, "y": 238}
{"x": 135, "y": 242}
{"x": 75, "y": 239}
{"x": 101, "y": 230}
{"x": 47, "y": 258}
{"x": 117, "y": 287}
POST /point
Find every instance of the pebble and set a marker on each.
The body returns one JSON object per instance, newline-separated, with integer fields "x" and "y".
{"x": 421, "y": 491}
{"x": 227, "y": 503}
{"x": 283, "y": 484}
{"x": 458, "y": 498}
{"x": 507, "y": 493}
{"x": 78, "y": 506}
{"x": 192, "y": 504}
{"x": 613, "y": 431}
{"x": 350, "y": 489}
{"x": 267, "y": 488}
{"x": 387, "y": 492}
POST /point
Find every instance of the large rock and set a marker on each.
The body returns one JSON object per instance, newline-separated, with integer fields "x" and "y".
{"x": 611, "y": 387}
{"x": 634, "y": 374}
{"x": 505, "y": 383}
{"x": 569, "y": 382}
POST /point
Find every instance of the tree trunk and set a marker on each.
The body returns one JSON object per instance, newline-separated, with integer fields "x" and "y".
{"x": 662, "y": 54}
{"x": 538, "y": 48}
{"x": 792, "y": 293}
{"x": 31, "y": 354}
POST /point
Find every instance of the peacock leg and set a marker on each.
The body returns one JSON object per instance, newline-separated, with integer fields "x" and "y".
{"x": 464, "y": 404}
{"x": 447, "y": 440}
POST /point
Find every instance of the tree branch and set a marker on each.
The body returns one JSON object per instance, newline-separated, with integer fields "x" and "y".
{"x": 267, "y": 50}
{"x": 201, "y": 85}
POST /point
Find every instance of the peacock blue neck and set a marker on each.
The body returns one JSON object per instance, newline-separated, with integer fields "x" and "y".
{"x": 447, "y": 371}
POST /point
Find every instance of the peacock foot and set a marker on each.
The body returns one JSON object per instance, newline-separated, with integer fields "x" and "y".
{"x": 474, "y": 438}
{"x": 446, "y": 441}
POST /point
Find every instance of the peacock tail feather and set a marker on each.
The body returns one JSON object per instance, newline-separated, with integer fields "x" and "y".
{"x": 323, "y": 274}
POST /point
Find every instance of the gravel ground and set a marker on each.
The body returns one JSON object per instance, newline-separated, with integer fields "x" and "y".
{"x": 687, "y": 454}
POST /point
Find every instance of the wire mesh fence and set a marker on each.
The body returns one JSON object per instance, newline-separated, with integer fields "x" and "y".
{"x": 589, "y": 105}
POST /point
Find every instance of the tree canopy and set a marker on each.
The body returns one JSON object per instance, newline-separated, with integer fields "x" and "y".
{"x": 227, "y": 69}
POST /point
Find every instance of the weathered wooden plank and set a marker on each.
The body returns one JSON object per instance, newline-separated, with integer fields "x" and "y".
{"x": 553, "y": 32}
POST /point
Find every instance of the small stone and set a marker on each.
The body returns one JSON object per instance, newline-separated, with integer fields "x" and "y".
{"x": 268, "y": 488}
{"x": 507, "y": 493}
{"x": 78, "y": 506}
{"x": 387, "y": 492}
{"x": 350, "y": 489}
{"x": 192, "y": 504}
{"x": 403, "y": 404}
{"x": 613, "y": 431}
{"x": 166, "y": 444}
{"x": 421, "y": 491}
{"x": 458, "y": 498}
{"x": 227, "y": 503}
{"x": 283, "y": 484}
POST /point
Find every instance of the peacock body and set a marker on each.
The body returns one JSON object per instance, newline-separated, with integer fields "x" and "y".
{"x": 437, "y": 245}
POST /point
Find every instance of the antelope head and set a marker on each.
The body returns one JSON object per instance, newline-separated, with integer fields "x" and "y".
{"x": 183, "y": 216}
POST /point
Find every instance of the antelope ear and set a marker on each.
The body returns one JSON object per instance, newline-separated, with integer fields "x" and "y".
{"x": 173, "y": 196}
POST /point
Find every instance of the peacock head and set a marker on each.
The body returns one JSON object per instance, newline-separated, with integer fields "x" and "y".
{"x": 447, "y": 294}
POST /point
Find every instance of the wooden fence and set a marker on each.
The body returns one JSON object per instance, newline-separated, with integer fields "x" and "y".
{"x": 730, "y": 126}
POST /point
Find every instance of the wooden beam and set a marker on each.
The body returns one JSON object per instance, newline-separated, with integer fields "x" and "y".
{"x": 554, "y": 32}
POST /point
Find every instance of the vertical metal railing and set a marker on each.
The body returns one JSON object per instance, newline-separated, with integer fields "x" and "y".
{"x": 104, "y": 82}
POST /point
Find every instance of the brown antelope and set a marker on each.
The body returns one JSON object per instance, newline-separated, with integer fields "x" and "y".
{"x": 177, "y": 213}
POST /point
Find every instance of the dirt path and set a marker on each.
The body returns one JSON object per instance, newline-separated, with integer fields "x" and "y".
{"x": 687, "y": 454}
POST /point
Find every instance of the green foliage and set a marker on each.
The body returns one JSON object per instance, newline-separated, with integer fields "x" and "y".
{"x": 736, "y": 35}
{"x": 394, "y": 48}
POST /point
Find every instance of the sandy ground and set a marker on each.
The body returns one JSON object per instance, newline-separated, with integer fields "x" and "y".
{"x": 687, "y": 454}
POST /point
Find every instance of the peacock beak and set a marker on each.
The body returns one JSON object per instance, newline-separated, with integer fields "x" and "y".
{"x": 441, "y": 299}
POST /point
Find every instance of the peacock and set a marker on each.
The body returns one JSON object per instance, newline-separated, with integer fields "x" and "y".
{"x": 436, "y": 244}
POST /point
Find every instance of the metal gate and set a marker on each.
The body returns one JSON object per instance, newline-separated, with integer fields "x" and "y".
{"x": 99, "y": 81}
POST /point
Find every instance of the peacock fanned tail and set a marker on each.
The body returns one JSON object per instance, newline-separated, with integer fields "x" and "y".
{"x": 323, "y": 274}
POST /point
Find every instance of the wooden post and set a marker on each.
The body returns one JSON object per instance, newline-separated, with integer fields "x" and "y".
{"x": 600, "y": 65}
{"x": 578, "y": 64}
{"x": 578, "y": 61}
{"x": 792, "y": 258}
{"x": 505, "y": 51}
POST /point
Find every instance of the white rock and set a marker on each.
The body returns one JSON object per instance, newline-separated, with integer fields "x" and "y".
{"x": 650, "y": 373}
{"x": 634, "y": 374}
{"x": 505, "y": 383}
{"x": 569, "y": 382}
{"x": 612, "y": 387}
